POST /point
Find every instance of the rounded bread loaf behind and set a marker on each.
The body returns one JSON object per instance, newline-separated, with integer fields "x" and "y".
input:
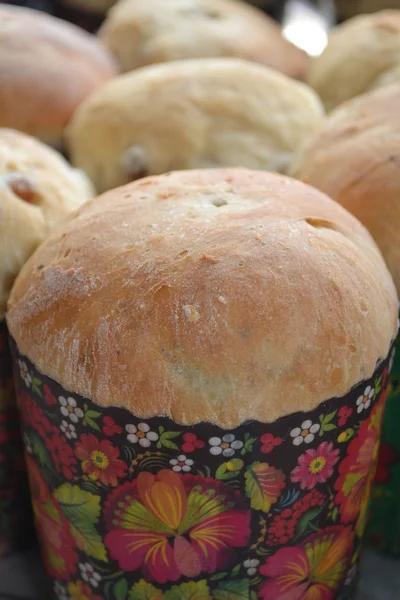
{"x": 47, "y": 67}
{"x": 38, "y": 189}
{"x": 191, "y": 114}
{"x": 140, "y": 33}
{"x": 362, "y": 54}
{"x": 355, "y": 159}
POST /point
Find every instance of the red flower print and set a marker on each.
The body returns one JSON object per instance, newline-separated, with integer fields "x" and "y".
{"x": 312, "y": 570}
{"x": 61, "y": 453}
{"x": 269, "y": 442}
{"x": 282, "y": 528}
{"x": 100, "y": 460}
{"x": 58, "y": 546}
{"x": 386, "y": 457}
{"x": 171, "y": 525}
{"x": 191, "y": 442}
{"x": 315, "y": 466}
{"x": 357, "y": 471}
{"x": 48, "y": 396}
{"x": 110, "y": 427}
{"x": 344, "y": 415}
{"x": 81, "y": 591}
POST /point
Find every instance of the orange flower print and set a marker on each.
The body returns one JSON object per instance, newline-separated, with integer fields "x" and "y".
{"x": 172, "y": 525}
{"x": 100, "y": 460}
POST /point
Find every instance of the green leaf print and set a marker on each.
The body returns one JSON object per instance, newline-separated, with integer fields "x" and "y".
{"x": 263, "y": 485}
{"x": 82, "y": 509}
{"x": 164, "y": 440}
{"x": 232, "y": 590}
{"x": 145, "y": 591}
{"x": 36, "y": 383}
{"x": 189, "y": 591}
{"x": 120, "y": 589}
{"x": 326, "y": 424}
{"x": 306, "y": 520}
{"x": 229, "y": 469}
{"x": 235, "y": 570}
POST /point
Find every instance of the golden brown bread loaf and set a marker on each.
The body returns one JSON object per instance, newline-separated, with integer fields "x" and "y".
{"x": 355, "y": 159}
{"x": 140, "y": 33}
{"x": 47, "y": 67}
{"x": 38, "y": 189}
{"x": 362, "y": 54}
{"x": 191, "y": 114}
{"x": 216, "y": 295}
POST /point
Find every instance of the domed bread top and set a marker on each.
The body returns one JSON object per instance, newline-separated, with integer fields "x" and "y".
{"x": 47, "y": 67}
{"x": 355, "y": 159}
{"x": 140, "y": 33}
{"x": 191, "y": 114}
{"x": 216, "y": 295}
{"x": 38, "y": 189}
{"x": 362, "y": 54}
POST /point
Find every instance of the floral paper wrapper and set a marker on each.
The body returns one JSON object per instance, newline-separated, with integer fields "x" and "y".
{"x": 14, "y": 495}
{"x": 383, "y": 529}
{"x": 133, "y": 509}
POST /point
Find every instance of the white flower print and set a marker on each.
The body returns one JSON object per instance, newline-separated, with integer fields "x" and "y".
{"x": 60, "y": 591}
{"x": 68, "y": 429}
{"x": 141, "y": 434}
{"x": 364, "y": 401}
{"x": 181, "y": 464}
{"x": 27, "y": 444}
{"x": 25, "y": 375}
{"x": 251, "y": 565}
{"x": 305, "y": 433}
{"x": 226, "y": 446}
{"x": 89, "y": 574}
{"x": 69, "y": 408}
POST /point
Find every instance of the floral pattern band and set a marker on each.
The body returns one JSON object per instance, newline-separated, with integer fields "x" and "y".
{"x": 145, "y": 509}
{"x": 14, "y": 495}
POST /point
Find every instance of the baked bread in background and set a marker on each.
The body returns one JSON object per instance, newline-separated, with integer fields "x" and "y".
{"x": 38, "y": 189}
{"x": 188, "y": 293}
{"x": 47, "y": 67}
{"x": 362, "y": 54}
{"x": 350, "y": 8}
{"x": 355, "y": 158}
{"x": 99, "y": 7}
{"x": 140, "y": 33}
{"x": 191, "y": 114}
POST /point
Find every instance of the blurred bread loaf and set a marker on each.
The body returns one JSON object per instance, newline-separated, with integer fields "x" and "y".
{"x": 47, "y": 67}
{"x": 140, "y": 33}
{"x": 191, "y": 114}
{"x": 38, "y": 189}
{"x": 362, "y": 54}
{"x": 355, "y": 158}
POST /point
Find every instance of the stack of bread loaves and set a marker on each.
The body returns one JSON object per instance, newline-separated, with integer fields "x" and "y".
{"x": 355, "y": 158}
{"x": 201, "y": 342}
{"x": 47, "y": 67}
{"x": 191, "y": 114}
{"x": 37, "y": 190}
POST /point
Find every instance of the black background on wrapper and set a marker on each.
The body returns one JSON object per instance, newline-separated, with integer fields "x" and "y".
{"x": 284, "y": 457}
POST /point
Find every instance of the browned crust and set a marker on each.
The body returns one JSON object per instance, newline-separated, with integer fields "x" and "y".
{"x": 220, "y": 295}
